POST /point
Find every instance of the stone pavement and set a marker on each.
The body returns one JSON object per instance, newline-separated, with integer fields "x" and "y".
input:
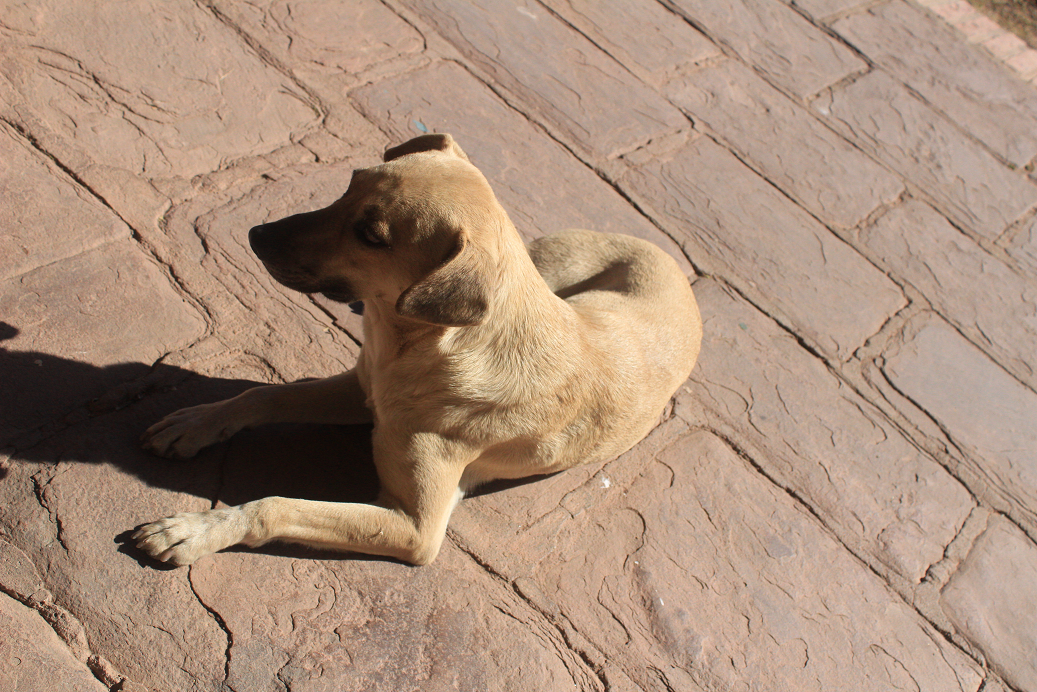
{"x": 843, "y": 496}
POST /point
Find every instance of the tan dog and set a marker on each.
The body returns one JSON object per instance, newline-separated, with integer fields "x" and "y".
{"x": 482, "y": 359}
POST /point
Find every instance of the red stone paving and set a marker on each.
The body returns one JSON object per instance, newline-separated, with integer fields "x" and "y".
{"x": 842, "y": 497}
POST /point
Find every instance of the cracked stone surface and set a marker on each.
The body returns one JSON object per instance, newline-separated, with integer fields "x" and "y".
{"x": 175, "y": 87}
{"x": 842, "y": 497}
{"x": 969, "y": 86}
{"x": 571, "y": 83}
{"x": 827, "y": 175}
{"x": 32, "y": 657}
{"x": 822, "y": 440}
{"x": 797, "y": 56}
{"x": 990, "y": 418}
{"x": 1002, "y": 621}
{"x": 987, "y": 298}
{"x": 906, "y": 134}
{"x": 791, "y": 261}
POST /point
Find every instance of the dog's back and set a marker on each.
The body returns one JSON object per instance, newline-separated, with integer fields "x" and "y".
{"x": 641, "y": 315}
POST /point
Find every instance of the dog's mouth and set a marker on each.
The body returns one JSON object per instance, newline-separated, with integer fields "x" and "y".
{"x": 294, "y": 279}
{"x": 338, "y": 290}
{"x": 339, "y": 295}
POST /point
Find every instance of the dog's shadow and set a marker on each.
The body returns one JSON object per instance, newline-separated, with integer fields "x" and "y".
{"x": 54, "y": 409}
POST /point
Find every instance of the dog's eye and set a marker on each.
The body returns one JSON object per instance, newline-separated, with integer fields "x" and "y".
{"x": 368, "y": 233}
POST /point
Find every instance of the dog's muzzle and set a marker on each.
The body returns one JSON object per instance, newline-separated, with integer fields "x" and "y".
{"x": 267, "y": 243}
{"x": 261, "y": 238}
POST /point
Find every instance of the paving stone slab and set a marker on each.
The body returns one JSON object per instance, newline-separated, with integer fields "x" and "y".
{"x": 563, "y": 79}
{"x": 97, "y": 318}
{"x": 985, "y": 411}
{"x": 511, "y": 528}
{"x": 646, "y": 37}
{"x": 733, "y": 223}
{"x": 703, "y": 573}
{"x": 794, "y": 54}
{"x": 992, "y": 601}
{"x": 33, "y": 658}
{"x": 881, "y": 495}
{"x": 167, "y": 89}
{"x": 320, "y": 44}
{"x": 786, "y": 143}
{"x": 541, "y": 186}
{"x": 44, "y": 216}
{"x": 899, "y": 130}
{"x": 963, "y": 81}
{"x": 989, "y": 300}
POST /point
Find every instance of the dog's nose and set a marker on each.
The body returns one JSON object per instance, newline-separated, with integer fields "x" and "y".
{"x": 259, "y": 238}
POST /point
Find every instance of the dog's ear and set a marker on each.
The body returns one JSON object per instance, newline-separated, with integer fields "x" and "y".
{"x": 435, "y": 142}
{"x": 455, "y": 294}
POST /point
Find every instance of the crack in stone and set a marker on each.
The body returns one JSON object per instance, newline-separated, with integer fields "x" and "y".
{"x": 39, "y": 487}
{"x": 550, "y": 11}
{"x": 313, "y": 100}
{"x": 549, "y": 618}
{"x": 67, "y": 628}
{"x": 861, "y": 559}
{"x": 406, "y": 20}
{"x": 218, "y": 619}
{"x": 175, "y": 280}
{"x": 37, "y": 146}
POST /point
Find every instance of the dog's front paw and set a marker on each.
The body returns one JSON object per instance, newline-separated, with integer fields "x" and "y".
{"x": 181, "y": 435}
{"x": 183, "y": 538}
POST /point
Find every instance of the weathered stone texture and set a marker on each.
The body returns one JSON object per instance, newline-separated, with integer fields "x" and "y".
{"x": 968, "y": 85}
{"x": 703, "y": 568}
{"x": 524, "y": 175}
{"x": 992, "y": 601}
{"x": 899, "y": 130}
{"x": 167, "y": 91}
{"x": 86, "y": 320}
{"x": 815, "y": 166}
{"x": 32, "y": 658}
{"x": 666, "y": 46}
{"x": 1024, "y": 246}
{"x": 44, "y": 216}
{"x": 984, "y": 410}
{"x": 989, "y": 300}
{"x": 814, "y": 435}
{"x": 733, "y": 223}
{"x": 325, "y": 44}
{"x": 334, "y": 625}
{"x": 821, "y": 9}
{"x": 794, "y": 54}
{"x": 556, "y": 73}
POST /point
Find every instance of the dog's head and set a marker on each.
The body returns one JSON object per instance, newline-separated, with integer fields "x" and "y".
{"x": 413, "y": 231}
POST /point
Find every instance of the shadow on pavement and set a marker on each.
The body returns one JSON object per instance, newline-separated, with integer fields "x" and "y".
{"x": 54, "y": 409}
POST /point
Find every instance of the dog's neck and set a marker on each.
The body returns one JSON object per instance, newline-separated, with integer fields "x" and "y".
{"x": 522, "y": 308}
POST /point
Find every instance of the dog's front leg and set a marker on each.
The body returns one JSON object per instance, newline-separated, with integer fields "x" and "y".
{"x": 407, "y": 523}
{"x": 336, "y": 400}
